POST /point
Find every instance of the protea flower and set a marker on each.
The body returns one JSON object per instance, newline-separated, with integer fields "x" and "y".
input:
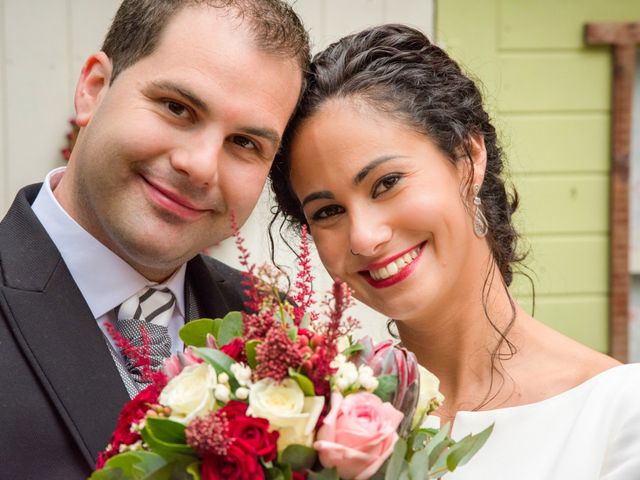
{"x": 388, "y": 359}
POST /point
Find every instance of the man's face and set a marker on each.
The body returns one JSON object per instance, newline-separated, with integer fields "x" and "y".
{"x": 179, "y": 140}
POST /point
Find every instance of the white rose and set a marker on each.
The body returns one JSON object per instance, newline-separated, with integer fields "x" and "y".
{"x": 190, "y": 394}
{"x": 429, "y": 398}
{"x": 287, "y": 409}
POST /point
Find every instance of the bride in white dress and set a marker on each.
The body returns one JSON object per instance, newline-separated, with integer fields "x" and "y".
{"x": 394, "y": 165}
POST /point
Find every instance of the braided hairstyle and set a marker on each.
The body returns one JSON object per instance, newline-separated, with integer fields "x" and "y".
{"x": 396, "y": 70}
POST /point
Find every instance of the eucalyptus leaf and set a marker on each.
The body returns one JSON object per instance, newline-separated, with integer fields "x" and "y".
{"x": 250, "y": 351}
{"x": 305, "y": 384}
{"x": 232, "y": 327}
{"x": 438, "y": 444}
{"x": 464, "y": 450}
{"x": 396, "y": 462}
{"x": 419, "y": 465}
{"x": 387, "y": 386}
{"x": 299, "y": 457}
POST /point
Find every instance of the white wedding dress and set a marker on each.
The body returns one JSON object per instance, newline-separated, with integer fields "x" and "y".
{"x": 590, "y": 432}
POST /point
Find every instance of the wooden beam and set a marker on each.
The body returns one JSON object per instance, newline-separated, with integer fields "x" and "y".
{"x": 622, "y": 37}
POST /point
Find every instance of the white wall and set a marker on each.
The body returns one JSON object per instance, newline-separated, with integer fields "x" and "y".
{"x": 43, "y": 44}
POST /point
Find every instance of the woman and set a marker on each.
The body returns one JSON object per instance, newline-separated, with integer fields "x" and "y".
{"x": 394, "y": 165}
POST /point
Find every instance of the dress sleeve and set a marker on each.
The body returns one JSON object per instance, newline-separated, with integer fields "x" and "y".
{"x": 622, "y": 459}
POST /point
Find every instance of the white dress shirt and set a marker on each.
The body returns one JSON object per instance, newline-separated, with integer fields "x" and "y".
{"x": 104, "y": 279}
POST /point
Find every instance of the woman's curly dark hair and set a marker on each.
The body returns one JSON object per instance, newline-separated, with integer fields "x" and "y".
{"x": 396, "y": 70}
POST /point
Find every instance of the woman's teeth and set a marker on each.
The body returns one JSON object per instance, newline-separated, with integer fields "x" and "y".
{"x": 394, "y": 267}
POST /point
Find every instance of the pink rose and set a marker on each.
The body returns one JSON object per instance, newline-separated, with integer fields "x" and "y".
{"x": 358, "y": 434}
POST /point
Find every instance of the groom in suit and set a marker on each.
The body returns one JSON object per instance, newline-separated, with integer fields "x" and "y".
{"x": 181, "y": 114}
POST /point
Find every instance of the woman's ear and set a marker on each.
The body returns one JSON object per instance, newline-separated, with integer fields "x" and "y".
{"x": 472, "y": 164}
{"x": 478, "y": 158}
{"x": 92, "y": 85}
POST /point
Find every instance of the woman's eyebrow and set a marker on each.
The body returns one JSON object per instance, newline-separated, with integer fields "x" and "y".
{"x": 360, "y": 176}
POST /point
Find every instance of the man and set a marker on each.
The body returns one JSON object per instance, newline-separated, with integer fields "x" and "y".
{"x": 180, "y": 117}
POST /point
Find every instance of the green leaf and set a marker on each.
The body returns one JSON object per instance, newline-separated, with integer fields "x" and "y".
{"x": 274, "y": 473}
{"x": 325, "y": 474}
{"x": 419, "y": 439}
{"x": 305, "y": 384}
{"x": 306, "y": 321}
{"x": 232, "y": 327}
{"x": 250, "y": 350}
{"x": 419, "y": 465}
{"x": 195, "y": 332}
{"x": 356, "y": 347}
{"x": 166, "y": 436}
{"x": 287, "y": 321}
{"x": 387, "y": 386}
{"x": 193, "y": 469}
{"x": 299, "y": 457}
{"x": 466, "y": 448}
{"x": 438, "y": 444}
{"x": 220, "y": 361}
{"x": 396, "y": 462}
{"x": 293, "y": 333}
{"x": 140, "y": 465}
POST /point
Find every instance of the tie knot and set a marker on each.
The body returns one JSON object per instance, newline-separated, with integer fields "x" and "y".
{"x": 152, "y": 305}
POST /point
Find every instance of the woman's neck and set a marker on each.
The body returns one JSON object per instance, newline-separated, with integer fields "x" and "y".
{"x": 462, "y": 343}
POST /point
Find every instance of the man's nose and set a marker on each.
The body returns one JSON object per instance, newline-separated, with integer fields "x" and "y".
{"x": 200, "y": 160}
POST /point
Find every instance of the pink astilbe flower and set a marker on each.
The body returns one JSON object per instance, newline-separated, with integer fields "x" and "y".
{"x": 139, "y": 355}
{"x": 304, "y": 282}
{"x": 325, "y": 340}
{"x": 276, "y": 354}
{"x": 252, "y": 295}
{"x": 209, "y": 435}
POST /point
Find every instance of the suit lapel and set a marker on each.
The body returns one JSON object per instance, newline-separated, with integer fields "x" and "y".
{"x": 56, "y": 330}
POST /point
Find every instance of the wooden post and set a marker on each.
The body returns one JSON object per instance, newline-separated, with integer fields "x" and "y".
{"x": 622, "y": 37}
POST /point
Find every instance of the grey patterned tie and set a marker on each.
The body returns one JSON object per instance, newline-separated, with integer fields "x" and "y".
{"x": 152, "y": 308}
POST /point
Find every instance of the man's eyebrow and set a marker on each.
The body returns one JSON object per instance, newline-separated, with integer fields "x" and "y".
{"x": 182, "y": 92}
{"x": 324, "y": 194}
{"x": 360, "y": 176}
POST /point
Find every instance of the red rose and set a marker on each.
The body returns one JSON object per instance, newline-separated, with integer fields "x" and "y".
{"x": 134, "y": 411}
{"x": 235, "y": 465}
{"x": 235, "y": 349}
{"x": 250, "y": 433}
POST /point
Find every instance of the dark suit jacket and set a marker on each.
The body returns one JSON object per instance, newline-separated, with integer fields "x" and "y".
{"x": 60, "y": 392}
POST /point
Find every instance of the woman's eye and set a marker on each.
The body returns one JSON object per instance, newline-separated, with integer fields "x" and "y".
{"x": 244, "y": 142}
{"x": 385, "y": 183}
{"x": 327, "y": 212}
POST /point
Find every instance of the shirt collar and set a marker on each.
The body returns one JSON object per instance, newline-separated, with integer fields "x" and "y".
{"x": 104, "y": 279}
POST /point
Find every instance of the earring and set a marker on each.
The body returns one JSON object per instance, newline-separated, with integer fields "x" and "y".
{"x": 480, "y": 224}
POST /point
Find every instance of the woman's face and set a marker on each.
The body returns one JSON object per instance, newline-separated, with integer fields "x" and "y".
{"x": 373, "y": 186}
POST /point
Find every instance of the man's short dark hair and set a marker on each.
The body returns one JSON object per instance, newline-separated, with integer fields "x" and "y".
{"x": 138, "y": 25}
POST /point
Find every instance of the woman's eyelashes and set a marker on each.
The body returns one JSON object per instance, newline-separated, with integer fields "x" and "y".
{"x": 385, "y": 183}
{"x": 326, "y": 212}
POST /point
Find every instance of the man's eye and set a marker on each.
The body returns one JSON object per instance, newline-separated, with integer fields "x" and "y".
{"x": 177, "y": 109}
{"x": 244, "y": 142}
{"x": 328, "y": 212}
{"x": 386, "y": 183}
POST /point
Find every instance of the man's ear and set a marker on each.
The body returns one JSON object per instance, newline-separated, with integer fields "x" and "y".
{"x": 92, "y": 85}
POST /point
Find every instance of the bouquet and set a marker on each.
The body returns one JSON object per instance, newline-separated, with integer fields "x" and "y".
{"x": 280, "y": 392}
